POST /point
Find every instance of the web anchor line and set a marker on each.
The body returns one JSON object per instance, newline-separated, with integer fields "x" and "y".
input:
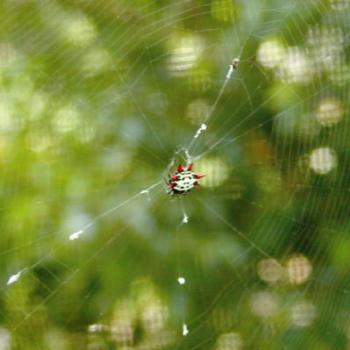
{"x": 189, "y": 160}
{"x": 12, "y": 279}
{"x": 204, "y": 125}
{"x": 181, "y": 280}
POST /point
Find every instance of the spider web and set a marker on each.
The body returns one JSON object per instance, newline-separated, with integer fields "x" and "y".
{"x": 100, "y": 102}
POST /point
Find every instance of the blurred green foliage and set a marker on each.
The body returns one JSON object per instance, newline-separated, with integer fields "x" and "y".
{"x": 97, "y": 97}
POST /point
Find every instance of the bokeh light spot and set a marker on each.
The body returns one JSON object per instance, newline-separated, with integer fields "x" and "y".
{"x": 66, "y": 119}
{"x": 296, "y": 67}
{"x": 78, "y": 30}
{"x": 229, "y": 341}
{"x": 269, "y": 270}
{"x": 323, "y": 160}
{"x": 299, "y": 269}
{"x": 264, "y": 304}
{"x": 302, "y": 314}
{"x": 271, "y": 53}
{"x": 215, "y": 169}
{"x": 186, "y": 50}
{"x": 329, "y": 112}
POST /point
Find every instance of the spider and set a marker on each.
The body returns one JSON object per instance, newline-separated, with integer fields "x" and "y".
{"x": 183, "y": 180}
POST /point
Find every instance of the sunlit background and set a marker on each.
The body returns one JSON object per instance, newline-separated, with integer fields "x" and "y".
{"x": 100, "y": 101}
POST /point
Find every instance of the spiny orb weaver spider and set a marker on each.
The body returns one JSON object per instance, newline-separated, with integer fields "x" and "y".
{"x": 183, "y": 180}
